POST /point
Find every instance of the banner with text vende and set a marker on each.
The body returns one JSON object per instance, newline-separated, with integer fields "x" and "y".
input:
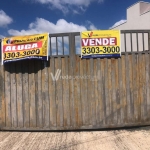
{"x": 100, "y": 43}
{"x": 25, "y": 47}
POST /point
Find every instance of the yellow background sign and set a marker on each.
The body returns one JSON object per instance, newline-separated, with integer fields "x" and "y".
{"x": 25, "y": 47}
{"x": 100, "y": 43}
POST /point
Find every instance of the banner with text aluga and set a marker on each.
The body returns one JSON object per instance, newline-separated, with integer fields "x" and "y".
{"x": 100, "y": 43}
{"x": 25, "y": 47}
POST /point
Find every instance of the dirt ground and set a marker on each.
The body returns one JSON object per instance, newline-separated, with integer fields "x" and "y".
{"x": 125, "y": 139}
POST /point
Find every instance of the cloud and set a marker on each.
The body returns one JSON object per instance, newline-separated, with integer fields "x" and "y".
{"x": 90, "y": 25}
{"x": 41, "y": 25}
{"x": 66, "y": 5}
{"x": 4, "y": 19}
{"x": 1, "y": 36}
{"x": 118, "y": 23}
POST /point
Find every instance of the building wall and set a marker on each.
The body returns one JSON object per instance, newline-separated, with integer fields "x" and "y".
{"x": 144, "y": 7}
{"x": 138, "y": 18}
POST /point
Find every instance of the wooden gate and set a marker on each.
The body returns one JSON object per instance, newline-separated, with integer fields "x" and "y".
{"x": 68, "y": 92}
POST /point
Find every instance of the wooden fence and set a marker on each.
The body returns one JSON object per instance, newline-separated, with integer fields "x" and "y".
{"x": 68, "y": 93}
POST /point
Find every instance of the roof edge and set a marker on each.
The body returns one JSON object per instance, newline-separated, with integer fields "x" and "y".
{"x": 137, "y": 3}
{"x": 119, "y": 25}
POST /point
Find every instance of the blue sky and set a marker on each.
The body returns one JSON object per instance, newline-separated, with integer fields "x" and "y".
{"x": 22, "y": 17}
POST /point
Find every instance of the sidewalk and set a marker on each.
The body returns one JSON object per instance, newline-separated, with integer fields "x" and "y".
{"x": 129, "y": 139}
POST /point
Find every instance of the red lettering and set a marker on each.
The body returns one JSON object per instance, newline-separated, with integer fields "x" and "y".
{"x": 99, "y": 41}
{"x": 22, "y": 47}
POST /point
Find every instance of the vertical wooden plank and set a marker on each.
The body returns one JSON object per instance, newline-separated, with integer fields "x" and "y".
{"x": 19, "y": 94}
{"x": 25, "y": 94}
{"x": 131, "y": 104}
{"x": 128, "y": 88}
{"x": 32, "y": 94}
{"x": 102, "y": 86}
{"x": 13, "y": 95}
{"x": 96, "y": 93}
{"x": 117, "y": 91}
{"x": 146, "y": 88}
{"x": 66, "y": 100}
{"x": 139, "y": 85}
{"x": 142, "y": 84}
{"x": 86, "y": 72}
{"x": 38, "y": 93}
{"x": 135, "y": 86}
{"x": 76, "y": 94}
{"x": 143, "y": 102}
{"x": 114, "y": 106}
{"x": 99, "y": 88}
{"x": 148, "y": 84}
{"x": 76, "y": 80}
{"x": 45, "y": 94}
{"x": 109, "y": 92}
{"x": 52, "y": 93}
{"x": 82, "y": 91}
{"x": 134, "y": 63}
{"x": 64, "y": 78}
{"x": 59, "y": 100}
{"x": 124, "y": 99}
{"x": 80, "y": 121}
{"x": 7, "y": 95}
{"x": 85, "y": 104}
{"x": 106, "y": 90}
{"x": 120, "y": 66}
{"x": 92, "y": 89}
{"x": 71, "y": 73}
{"x": 2, "y": 98}
{"x": 89, "y": 93}
{"x": 120, "y": 91}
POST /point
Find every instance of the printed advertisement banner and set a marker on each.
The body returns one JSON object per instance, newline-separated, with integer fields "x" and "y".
{"x": 100, "y": 43}
{"x": 25, "y": 47}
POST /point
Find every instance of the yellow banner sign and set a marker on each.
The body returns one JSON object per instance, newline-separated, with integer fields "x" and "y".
{"x": 100, "y": 43}
{"x": 25, "y": 47}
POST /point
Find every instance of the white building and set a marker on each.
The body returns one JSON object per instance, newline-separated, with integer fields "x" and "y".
{"x": 138, "y": 18}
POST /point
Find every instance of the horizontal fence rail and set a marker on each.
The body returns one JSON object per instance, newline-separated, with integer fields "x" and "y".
{"x": 69, "y": 93}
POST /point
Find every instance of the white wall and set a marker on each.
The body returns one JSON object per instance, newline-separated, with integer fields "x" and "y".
{"x": 136, "y": 20}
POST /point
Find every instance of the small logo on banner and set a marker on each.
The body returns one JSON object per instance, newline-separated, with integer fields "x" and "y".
{"x": 90, "y": 35}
